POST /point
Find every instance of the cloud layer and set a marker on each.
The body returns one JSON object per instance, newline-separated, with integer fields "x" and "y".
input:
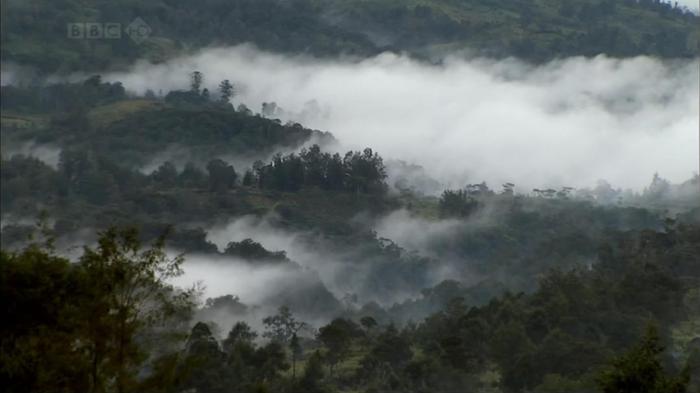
{"x": 569, "y": 122}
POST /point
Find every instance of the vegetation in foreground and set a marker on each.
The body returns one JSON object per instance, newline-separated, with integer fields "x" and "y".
{"x": 109, "y": 322}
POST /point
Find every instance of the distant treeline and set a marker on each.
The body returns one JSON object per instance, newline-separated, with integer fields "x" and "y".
{"x": 61, "y": 97}
{"x": 35, "y": 33}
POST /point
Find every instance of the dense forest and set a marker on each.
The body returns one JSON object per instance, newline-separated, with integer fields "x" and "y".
{"x": 603, "y": 327}
{"x": 576, "y": 290}
{"x": 34, "y": 32}
{"x": 183, "y": 240}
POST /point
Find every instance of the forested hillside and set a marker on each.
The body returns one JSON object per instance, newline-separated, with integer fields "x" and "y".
{"x": 166, "y": 231}
{"x": 34, "y": 32}
{"x": 540, "y": 290}
{"x": 602, "y": 328}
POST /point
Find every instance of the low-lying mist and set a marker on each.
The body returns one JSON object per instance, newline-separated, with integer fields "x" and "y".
{"x": 571, "y": 122}
{"x": 316, "y": 267}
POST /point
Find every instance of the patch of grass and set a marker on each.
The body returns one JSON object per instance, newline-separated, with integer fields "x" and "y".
{"x": 22, "y": 121}
{"x": 108, "y": 114}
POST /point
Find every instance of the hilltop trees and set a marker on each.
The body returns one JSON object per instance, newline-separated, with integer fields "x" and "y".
{"x": 364, "y": 172}
{"x": 253, "y": 251}
{"x": 199, "y": 96}
{"x": 357, "y": 172}
{"x": 457, "y": 203}
{"x": 196, "y": 80}
{"x": 226, "y": 91}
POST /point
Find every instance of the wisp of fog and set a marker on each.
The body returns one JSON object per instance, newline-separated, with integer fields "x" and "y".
{"x": 569, "y": 122}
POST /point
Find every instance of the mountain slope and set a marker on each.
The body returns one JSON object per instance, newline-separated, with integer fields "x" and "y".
{"x": 35, "y": 33}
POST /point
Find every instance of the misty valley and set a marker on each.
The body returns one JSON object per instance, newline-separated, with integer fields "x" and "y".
{"x": 309, "y": 196}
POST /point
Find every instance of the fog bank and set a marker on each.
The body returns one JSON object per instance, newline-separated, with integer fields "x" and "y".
{"x": 344, "y": 271}
{"x": 569, "y": 122}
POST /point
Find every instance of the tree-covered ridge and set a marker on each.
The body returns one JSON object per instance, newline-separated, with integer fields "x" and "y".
{"x": 86, "y": 179}
{"x": 106, "y": 173}
{"x": 379, "y": 288}
{"x": 523, "y": 237}
{"x": 35, "y": 33}
{"x": 534, "y": 30}
{"x": 100, "y": 117}
{"x": 358, "y": 172}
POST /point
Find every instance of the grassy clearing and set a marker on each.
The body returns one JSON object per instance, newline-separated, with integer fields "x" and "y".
{"x": 107, "y": 114}
{"x": 22, "y": 121}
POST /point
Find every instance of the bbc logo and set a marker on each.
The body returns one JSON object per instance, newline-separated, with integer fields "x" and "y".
{"x": 95, "y": 31}
{"x": 138, "y": 30}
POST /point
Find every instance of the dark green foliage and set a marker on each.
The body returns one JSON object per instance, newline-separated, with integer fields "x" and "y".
{"x": 253, "y": 251}
{"x": 640, "y": 371}
{"x": 204, "y": 362}
{"x": 457, "y": 203}
{"x": 61, "y": 97}
{"x": 186, "y": 99}
{"x": 36, "y": 289}
{"x": 575, "y": 320}
{"x": 240, "y": 334}
{"x": 242, "y": 366}
{"x": 272, "y": 25}
{"x": 364, "y": 172}
{"x": 296, "y": 350}
{"x": 592, "y": 275}
{"x": 337, "y": 337}
{"x": 283, "y": 326}
{"x": 226, "y": 91}
{"x": 192, "y": 177}
{"x": 222, "y": 176}
{"x": 80, "y": 326}
{"x": 388, "y": 356}
{"x": 210, "y": 131}
{"x": 166, "y": 175}
{"x": 358, "y": 172}
{"x": 556, "y": 338}
{"x": 229, "y": 305}
{"x": 311, "y": 381}
{"x": 98, "y": 117}
{"x": 368, "y": 323}
{"x": 34, "y": 34}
